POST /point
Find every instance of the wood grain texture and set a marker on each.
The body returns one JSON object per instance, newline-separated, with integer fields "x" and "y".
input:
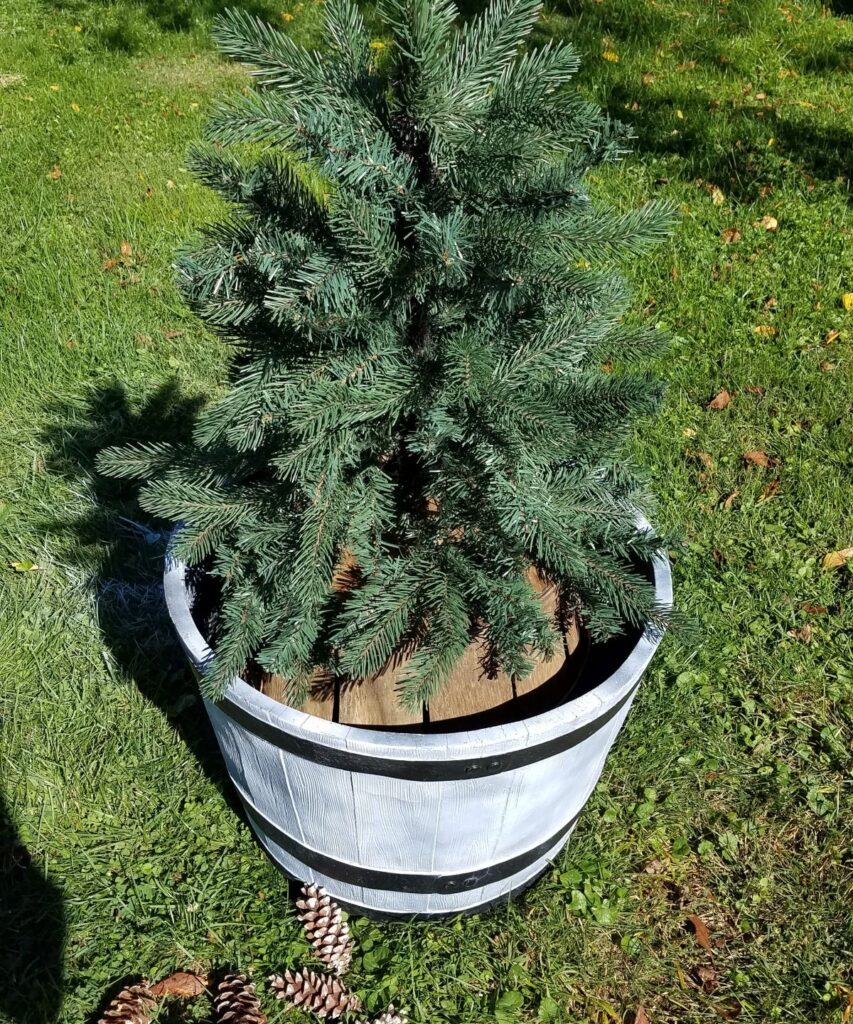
{"x": 471, "y": 688}
{"x": 387, "y": 901}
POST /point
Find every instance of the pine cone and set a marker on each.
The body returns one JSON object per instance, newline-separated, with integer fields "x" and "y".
{"x": 390, "y": 1016}
{"x": 133, "y": 1005}
{"x": 324, "y": 926}
{"x": 236, "y": 1002}
{"x": 320, "y": 993}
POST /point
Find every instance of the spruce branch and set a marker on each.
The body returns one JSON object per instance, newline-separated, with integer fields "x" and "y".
{"x": 420, "y": 294}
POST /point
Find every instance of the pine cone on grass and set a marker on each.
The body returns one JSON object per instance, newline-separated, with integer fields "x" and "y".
{"x": 389, "y": 1016}
{"x": 325, "y": 927}
{"x": 236, "y": 1002}
{"x": 133, "y": 1005}
{"x": 320, "y": 993}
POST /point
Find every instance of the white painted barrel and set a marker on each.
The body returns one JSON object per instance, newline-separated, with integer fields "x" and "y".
{"x": 401, "y": 823}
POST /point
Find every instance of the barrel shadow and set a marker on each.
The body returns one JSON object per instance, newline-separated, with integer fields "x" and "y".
{"x": 32, "y": 933}
{"x": 123, "y": 548}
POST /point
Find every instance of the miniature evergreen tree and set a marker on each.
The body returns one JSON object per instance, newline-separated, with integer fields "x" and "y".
{"x": 420, "y": 296}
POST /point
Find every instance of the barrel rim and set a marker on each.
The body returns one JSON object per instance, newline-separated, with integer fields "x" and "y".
{"x": 497, "y": 747}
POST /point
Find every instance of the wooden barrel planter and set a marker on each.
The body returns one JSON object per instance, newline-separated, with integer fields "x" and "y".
{"x": 419, "y": 823}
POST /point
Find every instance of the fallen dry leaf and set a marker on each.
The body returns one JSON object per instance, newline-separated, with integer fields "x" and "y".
{"x": 847, "y": 301}
{"x": 830, "y": 337}
{"x": 126, "y": 249}
{"x": 75, "y": 107}
{"x": 718, "y": 197}
{"x": 720, "y": 400}
{"x": 640, "y": 1016}
{"x": 826, "y": 366}
{"x": 803, "y": 633}
{"x": 769, "y": 303}
{"x": 813, "y": 609}
{"x": 181, "y": 984}
{"x": 109, "y": 264}
{"x": 700, "y": 930}
{"x": 173, "y": 334}
{"x": 728, "y": 1008}
{"x": 768, "y": 223}
{"x": 768, "y": 491}
{"x": 611, "y": 55}
{"x": 754, "y": 389}
{"x": 56, "y": 172}
{"x": 648, "y": 78}
{"x": 707, "y": 978}
{"x": 731, "y": 499}
{"x": 835, "y": 559}
{"x": 730, "y": 235}
{"x": 758, "y": 458}
{"x": 847, "y": 994}
{"x": 767, "y": 330}
{"x": 703, "y": 457}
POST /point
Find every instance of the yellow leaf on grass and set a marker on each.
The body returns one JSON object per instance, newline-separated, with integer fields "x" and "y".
{"x": 768, "y": 223}
{"x": 75, "y": 107}
{"x": 611, "y": 55}
{"x": 835, "y": 559}
{"x": 718, "y": 197}
{"x": 24, "y": 566}
{"x": 847, "y": 301}
{"x": 766, "y": 329}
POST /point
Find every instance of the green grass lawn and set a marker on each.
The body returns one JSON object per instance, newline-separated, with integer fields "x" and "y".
{"x": 728, "y": 795}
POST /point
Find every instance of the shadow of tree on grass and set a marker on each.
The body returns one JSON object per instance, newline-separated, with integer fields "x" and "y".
{"x": 32, "y": 934}
{"x": 126, "y": 549}
{"x": 171, "y": 15}
{"x": 741, "y": 142}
